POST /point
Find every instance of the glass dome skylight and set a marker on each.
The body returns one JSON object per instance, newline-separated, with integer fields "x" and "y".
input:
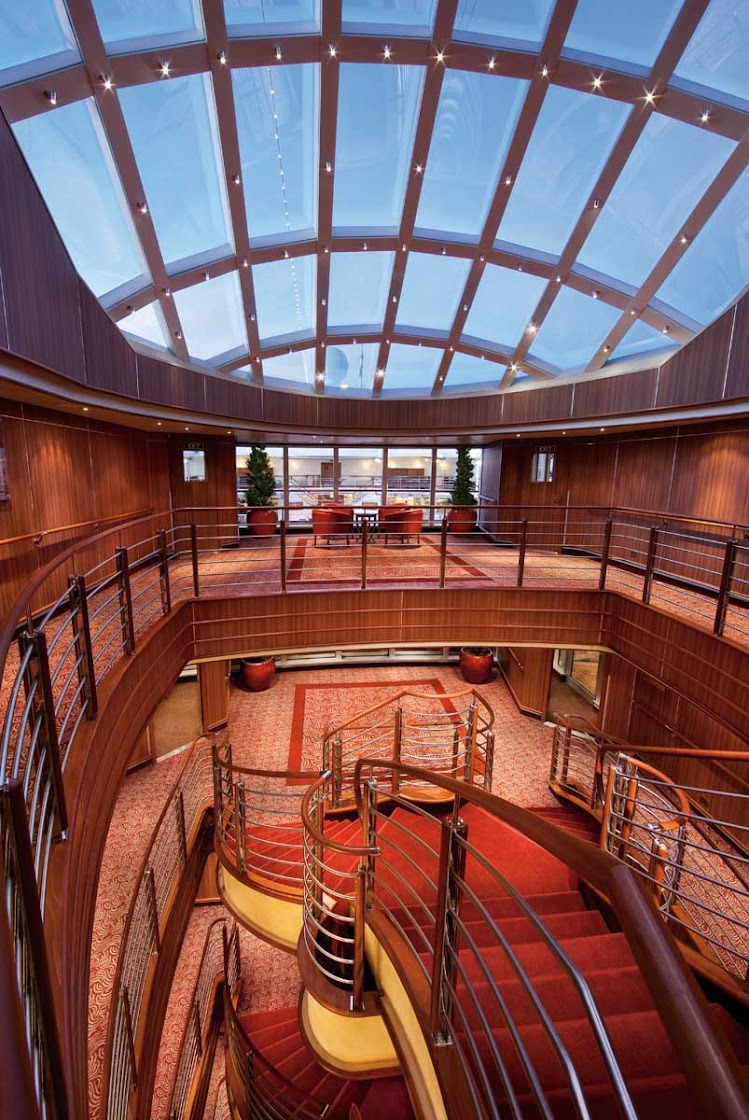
{"x": 401, "y": 197}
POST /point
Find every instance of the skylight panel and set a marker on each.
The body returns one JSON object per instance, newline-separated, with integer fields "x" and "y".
{"x": 246, "y": 18}
{"x": 400, "y": 17}
{"x": 502, "y": 306}
{"x": 212, "y": 317}
{"x": 570, "y": 144}
{"x": 68, "y": 154}
{"x": 172, "y": 126}
{"x": 467, "y": 369}
{"x": 642, "y": 340}
{"x": 351, "y": 367}
{"x": 126, "y": 26}
{"x": 278, "y": 124}
{"x": 476, "y": 117}
{"x": 297, "y": 367}
{"x": 432, "y": 288}
{"x": 377, "y": 111}
{"x": 573, "y": 331}
{"x": 359, "y": 285}
{"x": 631, "y": 33}
{"x": 35, "y": 37}
{"x": 285, "y": 297}
{"x": 412, "y": 367}
{"x": 716, "y": 57}
{"x": 667, "y": 173}
{"x": 517, "y": 23}
{"x": 714, "y": 269}
{"x": 147, "y": 324}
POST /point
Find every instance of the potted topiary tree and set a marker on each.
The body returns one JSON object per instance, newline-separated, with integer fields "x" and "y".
{"x": 476, "y": 664}
{"x": 261, "y": 486}
{"x": 462, "y": 516}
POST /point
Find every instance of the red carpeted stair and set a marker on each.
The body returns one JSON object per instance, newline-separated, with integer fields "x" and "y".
{"x": 276, "y": 1036}
{"x": 642, "y": 1048}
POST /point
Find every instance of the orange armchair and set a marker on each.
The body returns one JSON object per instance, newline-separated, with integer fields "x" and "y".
{"x": 403, "y": 522}
{"x": 332, "y": 522}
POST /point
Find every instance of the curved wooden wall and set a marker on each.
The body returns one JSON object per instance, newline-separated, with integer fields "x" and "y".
{"x": 709, "y": 671}
{"x": 50, "y": 318}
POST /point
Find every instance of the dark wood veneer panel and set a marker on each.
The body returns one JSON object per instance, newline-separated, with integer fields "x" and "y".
{"x": 166, "y": 384}
{"x": 110, "y": 360}
{"x": 40, "y": 285}
{"x": 695, "y": 375}
{"x": 552, "y": 402}
{"x": 630, "y": 392}
{"x": 737, "y": 382}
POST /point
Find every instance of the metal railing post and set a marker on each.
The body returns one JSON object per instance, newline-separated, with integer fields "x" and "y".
{"x": 443, "y": 550}
{"x": 489, "y": 760}
{"x": 27, "y": 903}
{"x": 337, "y": 770}
{"x": 724, "y": 594}
{"x": 194, "y": 556}
{"x": 38, "y": 684}
{"x": 650, "y": 565}
{"x": 197, "y": 1029}
{"x": 241, "y": 824}
{"x": 126, "y": 600}
{"x": 397, "y": 744}
{"x": 521, "y": 550}
{"x": 360, "y": 905}
{"x": 605, "y": 553}
{"x": 166, "y": 591}
{"x": 470, "y": 742}
{"x": 125, "y": 997}
{"x": 179, "y": 808}
{"x": 449, "y": 878}
{"x": 369, "y": 836}
{"x": 83, "y": 650}
{"x": 364, "y": 537}
{"x": 153, "y": 909}
{"x": 283, "y": 552}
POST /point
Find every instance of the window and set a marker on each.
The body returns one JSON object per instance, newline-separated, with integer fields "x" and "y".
{"x": 193, "y": 463}
{"x": 544, "y": 460}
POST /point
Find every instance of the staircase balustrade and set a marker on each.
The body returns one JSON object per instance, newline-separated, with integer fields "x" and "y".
{"x": 421, "y": 879}
{"x": 87, "y": 610}
{"x": 167, "y": 854}
{"x": 220, "y": 968}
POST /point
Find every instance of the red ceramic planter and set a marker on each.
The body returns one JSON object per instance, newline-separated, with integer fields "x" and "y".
{"x": 476, "y": 668}
{"x": 461, "y": 519}
{"x": 262, "y": 522}
{"x": 258, "y": 675}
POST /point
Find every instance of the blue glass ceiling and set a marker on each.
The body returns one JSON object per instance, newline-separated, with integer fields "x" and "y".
{"x": 310, "y": 180}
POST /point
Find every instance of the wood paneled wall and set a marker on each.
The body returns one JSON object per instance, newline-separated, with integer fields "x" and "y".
{"x": 49, "y": 317}
{"x": 68, "y": 475}
{"x": 692, "y": 471}
{"x": 527, "y": 672}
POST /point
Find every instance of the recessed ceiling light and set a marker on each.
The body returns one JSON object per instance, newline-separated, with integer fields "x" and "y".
{"x": 705, "y": 116}
{"x": 440, "y": 56}
{"x": 596, "y": 203}
{"x": 51, "y": 96}
{"x": 508, "y": 180}
{"x": 332, "y": 50}
{"x": 141, "y": 207}
{"x": 386, "y": 51}
{"x": 492, "y": 62}
{"x": 106, "y": 81}
{"x": 532, "y": 328}
{"x": 278, "y": 54}
{"x": 596, "y": 294}
{"x": 650, "y": 97}
{"x": 597, "y": 81}
{"x": 419, "y": 168}
{"x": 165, "y": 69}
{"x": 222, "y": 57}
{"x": 158, "y": 423}
{"x": 245, "y": 262}
{"x": 178, "y": 334}
{"x": 236, "y": 180}
{"x": 328, "y": 166}
{"x": 607, "y": 349}
{"x": 167, "y": 292}
{"x": 85, "y": 408}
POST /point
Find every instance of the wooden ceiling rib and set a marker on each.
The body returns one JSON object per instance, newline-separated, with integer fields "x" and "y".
{"x": 218, "y": 47}
{"x": 534, "y": 99}
{"x": 681, "y": 32}
{"x": 96, "y": 63}
{"x": 329, "y": 75}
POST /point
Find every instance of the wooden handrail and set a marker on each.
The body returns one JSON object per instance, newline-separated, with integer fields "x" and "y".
{"x": 710, "y": 1066}
{"x": 417, "y": 696}
{"x": 38, "y": 535}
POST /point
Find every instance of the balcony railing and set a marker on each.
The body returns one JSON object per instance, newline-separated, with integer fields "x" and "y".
{"x": 87, "y": 610}
{"x": 689, "y": 842}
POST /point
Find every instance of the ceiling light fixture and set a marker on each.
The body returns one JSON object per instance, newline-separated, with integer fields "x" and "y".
{"x": 85, "y": 408}
{"x": 596, "y": 294}
{"x": 326, "y": 248}
{"x": 520, "y": 266}
{"x": 598, "y": 81}
{"x": 167, "y": 292}
{"x": 492, "y": 62}
{"x": 607, "y": 349}
{"x": 165, "y": 69}
{"x": 395, "y": 299}
{"x": 206, "y": 275}
{"x": 286, "y": 254}
{"x": 440, "y": 56}
{"x": 557, "y": 279}
{"x": 444, "y": 251}
{"x": 236, "y": 180}
{"x": 650, "y": 97}
{"x": 222, "y": 57}
{"x": 386, "y": 51}
{"x": 544, "y": 71}
{"x": 328, "y": 166}
{"x": 666, "y": 329}
{"x": 106, "y": 81}
{"x": 633, "y": 310}
{"x": 596, "y": 203}
{"x": 705, "y": 116}
{"x": 508, "y": 180}
{"x": 419, "y": 168}
{"x": 51, "y": 96}
{"x": 252, "y": 316}
{"x": 331, "y": 50}
{"x": 141, "y": 207}
{"x": 482, "y": 258}
{"x": 278, "y": 54}
{"x": 178, "y": 334}
{"x": 245, "y": 262}
{"x": 532, "y": 328}
{"x": 514, "y": 367}
{"x": 365, "y": 246}
{"x": 324, "y": 302}
{"x": 465, "y": 306}
{"x": 403, "y": 247}
{"x": 685, "y": 239}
